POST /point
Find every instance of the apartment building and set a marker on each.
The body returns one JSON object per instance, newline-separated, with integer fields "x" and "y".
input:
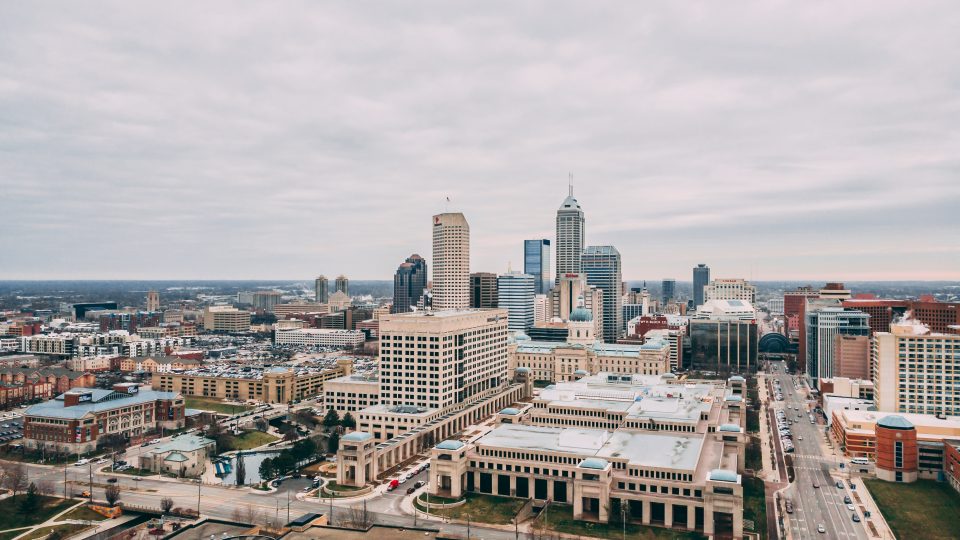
{"x": 158, "y": 364}
{"x": 75, "y": 420}
{"x": 267, "y": 385}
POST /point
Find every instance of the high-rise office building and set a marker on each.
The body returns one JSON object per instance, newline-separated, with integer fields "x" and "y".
{"x": 564, "y": 298}
{"x": 570, "y": 237}
{"x": 602, "y": 266}
{"x": 451, "y": 262}
{"x": 342, "y": 284}
{"x": 540, "y": 308}
{"x": 915, "y": 370}
{"x": 823, "y": 324}
{"x": 265, "y": 300}
{"x": 469, "y": 356}
{"x": 409, "y": 283}
{"x": 321, "y": 290}
{"x": 668, "y": 291}
{"x": 515, "y": 293}
{"x": 483, "y": 290}
{"x": 701, "y": 276}
{"x": 536, "y": 262}
{"x": 153, "y": 301}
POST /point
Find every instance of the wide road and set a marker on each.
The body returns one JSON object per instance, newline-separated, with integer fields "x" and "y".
{"x": 813, "y": 506}
{"x": 225, "y": 502}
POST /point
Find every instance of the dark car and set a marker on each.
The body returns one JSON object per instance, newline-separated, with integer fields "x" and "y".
{"x": 856, "y": 518}
{"x": 111, "y": 480}
{"x": 410, "y": 490}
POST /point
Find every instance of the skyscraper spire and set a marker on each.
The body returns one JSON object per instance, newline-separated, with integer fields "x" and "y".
{"x": 570, "y": 183}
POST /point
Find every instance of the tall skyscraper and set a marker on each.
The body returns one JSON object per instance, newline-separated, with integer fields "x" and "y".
{"x": 536, "y": 262}
{"x": 602, "y": 266}
{"x": 342, "y": 284}
{"x": 409, "y": 283}
{"x": 570, "y": 237}
{"x": 668, "y": 291}
{"x": 701, "y": 276}
{"x": 451, "y": 262}
{"x": 483, "y": 290}
{"x": 321, "y": 289}
{"x": 153, "y": 301}
{"x": 515, "y": 293}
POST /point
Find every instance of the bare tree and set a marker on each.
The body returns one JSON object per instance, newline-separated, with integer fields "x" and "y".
{"x": 15, "y": 478}
{"x": 166, "y": 504}
{"x": 112, "y": 494}
{"x": 45, "y": 487}
{"x": 358, "y": 516}
{"x": 237, "y": 515}
{"x": 252, "y": 515}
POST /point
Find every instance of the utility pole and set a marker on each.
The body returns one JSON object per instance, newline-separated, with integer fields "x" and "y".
{"x": 64, "y": 481}
{"x": 468, "y": 526}
{"x": 199, "y": 484}
{"x": 91, "y": 483}
{"x": 288, "y": 505}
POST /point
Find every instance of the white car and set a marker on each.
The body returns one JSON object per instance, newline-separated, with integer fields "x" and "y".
{"x": 82, "y": 462}
{"x": 850, "y": 507}
{"x": 821, "y": 529}
{"x": 154, "y": 441}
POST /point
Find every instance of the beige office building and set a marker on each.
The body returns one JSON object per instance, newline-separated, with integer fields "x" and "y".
{"x": 451, "y": 262}
{"x": 436, "y": 359}
{"x": 915, "y": 371}
{"x": 351, "y": 393}
{"x": 565, "y": 297}
{"x": 730, "y": 289}
{"x": 226, "y": 319}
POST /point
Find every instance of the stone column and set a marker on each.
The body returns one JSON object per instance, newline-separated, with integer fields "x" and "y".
{"x": 549, "y": 489}
{"x": 738, "y": 524}
{"x": 708, "y": 519}
{"x": 646, "y": 511}
{"x": 691, "y": 517}
{"x": 513, "y": 486}
{"x": 668, "y": 514}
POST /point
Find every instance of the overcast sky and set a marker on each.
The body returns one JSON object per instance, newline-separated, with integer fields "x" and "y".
{"x": 794, "y": 140}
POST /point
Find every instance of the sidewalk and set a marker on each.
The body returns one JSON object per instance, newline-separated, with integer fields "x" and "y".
{"x": 865, "y": 501}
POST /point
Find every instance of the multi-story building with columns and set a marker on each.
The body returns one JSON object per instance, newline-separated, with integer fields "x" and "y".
{"x": 645, "y": 448}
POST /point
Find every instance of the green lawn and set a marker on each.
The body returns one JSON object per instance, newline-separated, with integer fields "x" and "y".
{"x": 755, "y": 505}
{"x": 65, "y": 530}
{"x": 436, "y": 499}
{"x": 753, "y": 457}
{"x": 559, "y": 518}
{"x": 10, "y": 534}
{"x": 83, "y": 513}
{"x": 214, "y": 404}
{"x": 924, "y": 505}
{"x": 10, "y": 516}
{"x": 250, "y": 439}
{"x": 339, "y": 487}
{"x": 482, "y": 509}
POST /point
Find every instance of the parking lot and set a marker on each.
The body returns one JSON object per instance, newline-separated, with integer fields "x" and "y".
{"x": 11, "y": 426}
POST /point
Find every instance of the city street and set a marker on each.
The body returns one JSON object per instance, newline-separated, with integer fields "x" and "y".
{"x": 222, "y": 502}
{"x": 813, "y": 506}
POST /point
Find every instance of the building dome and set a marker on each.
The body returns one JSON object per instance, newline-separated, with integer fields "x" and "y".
{"x": 581, "y": 315}
{"x": 894, "y": 422}
{"x": 520, "y": 336}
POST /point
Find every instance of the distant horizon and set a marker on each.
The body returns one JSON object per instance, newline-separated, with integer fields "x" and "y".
{"x": 388, "y": 280}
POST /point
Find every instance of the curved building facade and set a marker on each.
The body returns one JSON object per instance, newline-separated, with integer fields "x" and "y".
{"x": 896, "y": 449}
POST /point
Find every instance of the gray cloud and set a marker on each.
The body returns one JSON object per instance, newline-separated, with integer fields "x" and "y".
{"x": 215, "y": 141}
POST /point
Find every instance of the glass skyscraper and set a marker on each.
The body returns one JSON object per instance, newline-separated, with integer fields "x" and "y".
{"x": 701, "y": 277}
{"x": 602, "y": 266}
{"x": 515, "y": 293}
{"x": 536, "y": 263}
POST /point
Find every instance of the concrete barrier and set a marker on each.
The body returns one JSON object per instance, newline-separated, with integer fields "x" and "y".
{"x": 347, "y": 493}
{"x": 439, "y": 506}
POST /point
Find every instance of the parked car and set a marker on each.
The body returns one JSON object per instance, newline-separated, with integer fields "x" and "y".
{"x": 112, "y": 480}
{"x": 856, "y": 518}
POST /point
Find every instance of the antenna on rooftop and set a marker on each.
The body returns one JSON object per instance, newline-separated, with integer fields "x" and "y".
{"x": 570, "y": 182}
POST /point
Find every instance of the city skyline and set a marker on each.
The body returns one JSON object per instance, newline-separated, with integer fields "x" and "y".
{"x": 811, "y": 138}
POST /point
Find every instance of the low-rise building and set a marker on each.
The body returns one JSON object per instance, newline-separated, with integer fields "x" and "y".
{"x": 75, "y": 420}
{"x": 861, "y": 434}
{"x": 352, "y": 392}
{"x": 278, "y": 384}
{"x": 158, "y": 364}
{"x": 184, "y": 456}
{"x": 226, "y": 319}
{"x": 646, "y": 448}
{"x": 320, "y": 337}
